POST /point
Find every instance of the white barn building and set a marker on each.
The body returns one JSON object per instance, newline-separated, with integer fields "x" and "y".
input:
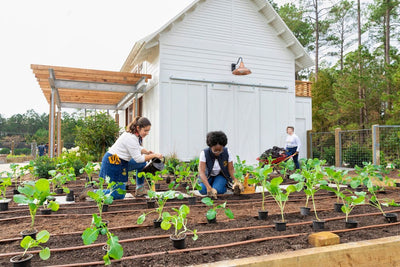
{"x": 193, "y": 90}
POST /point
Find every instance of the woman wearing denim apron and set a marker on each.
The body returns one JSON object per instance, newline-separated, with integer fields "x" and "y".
{"x": 293, "y": 145}
{"x": 127, "y": 154}
{"x": 216, "y": 166}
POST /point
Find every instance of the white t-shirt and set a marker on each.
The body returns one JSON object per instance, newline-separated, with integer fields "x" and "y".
{"x": 293, "y": 141}
{"x": 126, "y": 147}
{"x": 216, "y": 168}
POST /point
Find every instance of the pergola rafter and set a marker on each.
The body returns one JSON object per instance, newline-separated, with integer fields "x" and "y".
{"x": 65, "y": 87}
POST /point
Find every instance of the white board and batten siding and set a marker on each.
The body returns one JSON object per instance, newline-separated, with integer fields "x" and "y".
{"x": 203, "y": 47}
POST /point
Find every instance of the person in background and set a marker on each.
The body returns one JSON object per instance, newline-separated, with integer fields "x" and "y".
{"x": 127, "y": 154}
{"x": 292, "y": 146}
{"x": 216, "y": 166}
{"x": 41, "y": 149}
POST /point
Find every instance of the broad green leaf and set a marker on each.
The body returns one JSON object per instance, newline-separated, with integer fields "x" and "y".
{"x": 207, "y": 201}
{"x": 43, "y": 236}
{"x": 290, "y": 189}
{"x": 141, "y": 218}
{"x": 184, "y": 209}
{"x": 90, "y": 235}
{"x": 27, "y": 242}
{"x": 211, "y": 214}
{"x": 116, "y": 250}
{"x": 22, "y": 199}
{"x": 44, "y": 254}
{"x": 165, "y": 225}
{"x": 54, "y": 206}
{"x": 106, "y": 259}
{"x": 42, "y": 185}
{"x": 229, "y": 213}
{"x": 252, "y": 181}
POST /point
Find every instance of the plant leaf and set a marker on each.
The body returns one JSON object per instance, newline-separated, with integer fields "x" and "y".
{"x": 43, "y": 236}
{"x": 90, "y": 235}
{"x": 211, "y": 214}
{"x": 141, "y": 218}
{"x": 44, "y": 254}
{"x": 229, "y": 213}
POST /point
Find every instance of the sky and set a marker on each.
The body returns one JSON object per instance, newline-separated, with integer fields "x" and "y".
{"x": 93, "y": 34}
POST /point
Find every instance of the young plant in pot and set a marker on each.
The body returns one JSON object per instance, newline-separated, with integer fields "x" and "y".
{"x": 349, "y": 203}
{"x": 241, "y": 170}
{"x": 151, "y": 180}
{"x": 338, "y": 179}
{"x": 161, "y": 201}
{"x": 34, "y": 194}
{"x": 89, "y": 169}
{"x": 182, "y": 174}
{"x": 211, "y": 214}
{"x": 171, "y": 162}
{"x": 14, "y": 176}
{"x": 48, "y": 206}
{"x": 58, "y": 181}
{"x": 286, "y": 168}
{"x": 4, "y": 184}
{"x": 193, "y": 185}
{"x": 313, "y": 180}
{"x": 113, "y": 248}
{"x": 260, "y": 177}
{"x": 179, "y": 221}
{"x": 281, "y": 197}
{"x": 28, "y": 242}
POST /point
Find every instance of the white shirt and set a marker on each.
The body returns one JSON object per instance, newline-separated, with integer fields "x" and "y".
{"x": 293, "y": 141}
{"x": 216, "y": 168}
{"x": 126, "y": 147}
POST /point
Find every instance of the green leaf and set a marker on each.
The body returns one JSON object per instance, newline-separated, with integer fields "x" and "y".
{"x": 207, "y": 201}
{"x": 42, "y": 185}
{"x": 229, "y": 213}
{"x": 195, "y": 236}
{"x": 211, "y": 214}
{"x": 165, "y": 225}
{"x": 90, "y": 235}
{"x": 43, "y": 236}
{"x": 44, "y": 254}
{"x": 21, "y": 199}
{"x": 27, "y": 242}
{"x": 252, "y": 181}
{"x": 54, "y": 206}
{"x": 184, "y": 209}
{"x": 141, "y": 218}
{"x": 106, "y": 259}
{"x": 116, "y": 250}
{"x": 290, "y": 189}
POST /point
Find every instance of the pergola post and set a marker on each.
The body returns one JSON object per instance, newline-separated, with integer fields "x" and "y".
{"x": 52, "y": 122}
{"x": 59, "y": 147}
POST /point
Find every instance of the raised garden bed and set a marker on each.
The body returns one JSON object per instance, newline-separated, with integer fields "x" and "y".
{"x": 144, "y": 245}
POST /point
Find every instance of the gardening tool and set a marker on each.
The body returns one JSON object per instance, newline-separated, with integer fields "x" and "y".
{"x": 154, "y": 165}
{"x": 275, "y": 162}
{"x": 248, "y": 189}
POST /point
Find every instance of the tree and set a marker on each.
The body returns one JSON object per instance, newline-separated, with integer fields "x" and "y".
{"x": 95, "y": 133}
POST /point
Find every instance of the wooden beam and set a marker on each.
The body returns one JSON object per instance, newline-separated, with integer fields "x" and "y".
{"x": 94, "y": 86}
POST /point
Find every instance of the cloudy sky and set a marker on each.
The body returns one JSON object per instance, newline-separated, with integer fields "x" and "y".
{"x": 94, "y": 34}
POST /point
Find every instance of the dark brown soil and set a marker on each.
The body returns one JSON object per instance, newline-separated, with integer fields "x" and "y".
{"x": 67, "y": 225}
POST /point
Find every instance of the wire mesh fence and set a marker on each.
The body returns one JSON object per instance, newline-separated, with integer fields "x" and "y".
{"x": 19, "y": 147}
{"x": 323, "y": 146}
{"x": 387, "y": 145}
{"x": 355, "y": 147}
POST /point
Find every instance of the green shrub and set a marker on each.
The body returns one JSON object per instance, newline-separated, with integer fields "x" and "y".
{"x": 5, "y": 151}
{"x": 43, "y": 165}
{"x": 329, "y": 155}
{"x": 22, "y": 151}
{"x": 356, "y": 155}
{"x": 396, "y": 163}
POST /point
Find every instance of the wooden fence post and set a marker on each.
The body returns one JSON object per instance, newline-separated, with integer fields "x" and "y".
{"x": 376, "y": 151}
{"x": 309, "y": 144}
{"x": 338, "y": 149}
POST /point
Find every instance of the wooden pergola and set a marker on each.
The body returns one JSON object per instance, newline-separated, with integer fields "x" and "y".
{"x": 66, "y": 87}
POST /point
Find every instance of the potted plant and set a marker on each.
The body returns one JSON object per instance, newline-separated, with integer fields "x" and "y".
{"x": 212, "y": 212}
{"x": 182, "y": 172}
{"x": 339, "y": 179}
{"x": 179, "y": 221}
{"x": 313, "y": 180}
{"x": 28, "y": 242}
{"x": 161, "y": 201}
{"x": 281, "y": 197}
{"x": 305, "y": 211}
{"x": 192, "y": 186}
{"x": 13, "y": 175}
{"x": 151, "y": 180}
{"x": 113, "y": 248}
{"x": 4, "y": 184}
{"x": 34, "y": 194}
{"x": 171, "y": 162}
{"x": 261, "y": 175}
{"x": 286, "y": 167}
{"x": 349, "y": 203}
{"x": 49, "y": 206}
{"x": 58, "y": 181}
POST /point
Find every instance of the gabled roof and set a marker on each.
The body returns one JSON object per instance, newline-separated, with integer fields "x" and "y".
{"x": 141, "y": 47}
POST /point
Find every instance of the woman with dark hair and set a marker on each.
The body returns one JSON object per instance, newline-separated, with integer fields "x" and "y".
{"x": 127, "y": 154}
{"x": 216, "y": 166}
{"x": 292, "y": 146}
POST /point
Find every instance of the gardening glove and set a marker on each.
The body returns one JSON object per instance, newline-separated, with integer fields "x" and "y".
{"x": 238, "y": 188}
{"x": 212, "y": 193}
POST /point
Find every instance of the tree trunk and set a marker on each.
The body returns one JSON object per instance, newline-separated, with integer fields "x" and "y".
{"x": 316, "y": 39}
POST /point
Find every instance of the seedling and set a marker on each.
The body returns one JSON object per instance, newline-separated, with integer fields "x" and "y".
{"x": 261, "y": 175}
{"x": 41, "y": 238}
{"x": 194, "y": 165}
{"x": 241, "y": 169}
{"x": 278, "y": 195}
{"x": 151, "y": 179}
{"x": 350, "y": 202}
{"x": 58, "y": 180}
{"x": 4, "y": 184}
{"x": 183, "y": 173}
{"x": 286, "y": 167}
{"x": 193, "y": 184}
{"x": 212, "y": 213}
{"x": 161, "y": 201}
{"x": 98, "y": 226}
{"x": 52, "y": 205}
{"x": 313, "y": 178}
{"x": 34, "y": 194}
{"x": 89, "y": 169}
{"x": 179, "y": 221}
{"x": 338, "y": 178}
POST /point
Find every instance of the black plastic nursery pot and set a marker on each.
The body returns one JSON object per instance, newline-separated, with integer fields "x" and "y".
{"x": 305, "y": 211}
{"x": 59, "y": 191}
{"x": 70, "y": 196}
{"x": 351, "y": 224}
{"x": 338, "y": 207}
{"x": 262, "y": 214}
{"x": 157, "y": 186}
{"x": 178, "y": 242}
{"x": 51, "y": 198}
{"x": 127, "y": 187}
{"x": 15, "y": 191}
{"x": 21, "y": 260}
{"x": 151, "y": 204}
{"x": 184, "y": 185}
{"x": 391, "y": 217}
{"x": 280, "y": 226}
{"x": 168, "y": 179}
{"x": 45, "y": 211}
{"x": 318, "y": 225}
{"x": 212, "y": 220}
{"x": 30, "y": 232}
{"x": 104, "y": 208}
{"x": 397, "y": 184}
{"x": 157, "y": 223}
{"x": 4, "y": 204}
{"x": 192, "y": 200}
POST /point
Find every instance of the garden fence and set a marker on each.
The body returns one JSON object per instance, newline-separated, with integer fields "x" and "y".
{"x": 379, "y": 145}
